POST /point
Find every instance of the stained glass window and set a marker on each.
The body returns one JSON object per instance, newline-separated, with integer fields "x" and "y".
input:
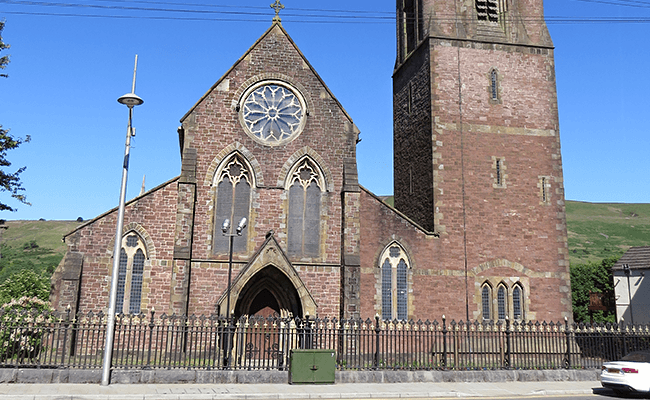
{"x": 304, "y": 211}
{"x": 485, "y": 301}
{"x": 233, "y": 203}
{"x": 516, "y": 303}
{"x": 130, "y": 274}
{"x": 273, "y": 113}
{"x": 136, "y": 282}
{"x": 501, "y": 302}
{"x": 386, "y": 290}
{"x": 394, "y": 283}
{"x": 402, "y": 306}
{"x": 121, "y": 281}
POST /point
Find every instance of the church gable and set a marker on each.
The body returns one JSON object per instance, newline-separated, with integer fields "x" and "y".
{"x": 268, "y": 108}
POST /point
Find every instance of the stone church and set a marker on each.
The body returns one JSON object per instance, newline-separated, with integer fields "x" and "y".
{"x": 478, "y": 229}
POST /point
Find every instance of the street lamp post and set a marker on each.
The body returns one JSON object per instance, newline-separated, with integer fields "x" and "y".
{"x": 130, "y": 100}
{"x": 226, "y": 230}
{"x": 628, "y": 272}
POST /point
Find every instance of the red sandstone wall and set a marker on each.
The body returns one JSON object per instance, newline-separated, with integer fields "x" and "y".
{"x": 214, "y": 130}
{"x": 154, "y": 214}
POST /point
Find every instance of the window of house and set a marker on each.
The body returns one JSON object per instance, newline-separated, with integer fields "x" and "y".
{"x": 233, "y": 194}
{"x": 395, "y": 266}
{"x": 305, "y": 192}
{"x": 130, "y": 274}
{"x": 486, "y": 301}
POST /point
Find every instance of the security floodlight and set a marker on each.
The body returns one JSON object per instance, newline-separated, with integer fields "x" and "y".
{"x": 225, "y": 226}
{"x": 241, "y": 226}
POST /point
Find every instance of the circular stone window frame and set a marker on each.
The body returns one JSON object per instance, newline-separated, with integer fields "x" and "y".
{"x": 289, "y": 87}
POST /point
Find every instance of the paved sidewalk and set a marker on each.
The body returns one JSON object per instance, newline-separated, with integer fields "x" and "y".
{"x": 22, "y": 391}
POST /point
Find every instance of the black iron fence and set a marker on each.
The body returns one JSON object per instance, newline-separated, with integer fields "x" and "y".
{"x": 211, "y": 342}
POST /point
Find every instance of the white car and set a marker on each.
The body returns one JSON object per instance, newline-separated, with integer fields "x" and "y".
{"x": 630, "y": 374}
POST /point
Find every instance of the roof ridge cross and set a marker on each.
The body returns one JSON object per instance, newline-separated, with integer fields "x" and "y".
{"x": 277, "y": 6}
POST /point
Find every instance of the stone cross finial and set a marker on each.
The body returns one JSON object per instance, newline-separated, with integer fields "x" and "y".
{"x": 277, "y": 6}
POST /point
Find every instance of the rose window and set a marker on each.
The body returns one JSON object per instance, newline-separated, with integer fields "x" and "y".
{"x": 273, "y": 114}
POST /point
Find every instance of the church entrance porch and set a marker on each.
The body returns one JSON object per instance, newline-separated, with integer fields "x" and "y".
{"x": 267, "y": 294}
{"x": 268, "y": 285}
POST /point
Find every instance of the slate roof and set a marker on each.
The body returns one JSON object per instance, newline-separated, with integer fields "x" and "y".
{"x": 635, "y": 257}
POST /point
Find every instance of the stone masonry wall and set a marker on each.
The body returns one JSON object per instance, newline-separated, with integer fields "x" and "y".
{"x": 152, "y": 216}
{"x": 214, "y": 130}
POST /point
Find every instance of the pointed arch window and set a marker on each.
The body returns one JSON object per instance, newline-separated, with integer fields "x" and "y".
{"x": 233, "y": 197}
{"x": 517, "y": 301}
{"x": 502, "y": 299}
{"x": 131, "y": 274}
{"x": 395, "y": 266}
{"x": 305, "y": 193}
{"x": 486, "y": 301}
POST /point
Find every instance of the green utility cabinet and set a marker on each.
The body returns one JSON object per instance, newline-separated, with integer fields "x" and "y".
{"x": 312, "y": 366}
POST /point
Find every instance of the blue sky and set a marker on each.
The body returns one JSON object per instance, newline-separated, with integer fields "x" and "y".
{"x": 66, "y": 73}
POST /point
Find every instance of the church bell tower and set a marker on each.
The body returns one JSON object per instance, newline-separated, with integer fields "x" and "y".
{"x": 476, "y": 138}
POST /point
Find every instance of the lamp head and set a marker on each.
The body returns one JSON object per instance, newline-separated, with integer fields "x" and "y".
{"x": 225, "y": 226}
{"x": 130, "y": 100}
{"x": 241, "y": 226}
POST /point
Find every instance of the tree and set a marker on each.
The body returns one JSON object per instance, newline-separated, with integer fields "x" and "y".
{"x": 592, "y": 277}
{"x": 9, "y": 182}
{"x": 25, "y": 283}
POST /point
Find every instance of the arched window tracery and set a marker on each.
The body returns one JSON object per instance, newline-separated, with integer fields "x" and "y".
{"x": 131, "y": 274}
{"x": 305, "y": 186}
{"x": 395, "y": 266}
{"x": 234, "y": 183}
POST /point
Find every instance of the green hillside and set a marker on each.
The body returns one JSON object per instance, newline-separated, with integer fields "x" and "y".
{"x": 33, "y": 245}
{"x": 600, "y": 230}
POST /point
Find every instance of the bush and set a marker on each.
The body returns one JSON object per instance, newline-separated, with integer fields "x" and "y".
{"x": 21, "y": 327}
{"x": 24, "y": 283}
{"x": 593, "y": 277}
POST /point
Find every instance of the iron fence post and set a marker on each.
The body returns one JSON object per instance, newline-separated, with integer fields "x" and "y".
{"x": 230, "y": 331}
{"x": 151, "y": 326}
{"x": 622, "y": 329}
{"x": 508, "y": 338}
{"x": 444, "y": 342}
{"x": 567, "y": 355}
{"x": 377, "y": 331}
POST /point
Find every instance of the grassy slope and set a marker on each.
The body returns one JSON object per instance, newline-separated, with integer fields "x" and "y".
{"x": 47, "y": 234}
{"x": 17, "y": 253}
{"x": 598, "y": 230}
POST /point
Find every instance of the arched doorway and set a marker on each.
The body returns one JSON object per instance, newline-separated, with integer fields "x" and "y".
{"x": 267, "y": 293}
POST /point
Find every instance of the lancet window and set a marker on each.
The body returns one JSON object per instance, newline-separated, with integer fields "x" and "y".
{"x": 506, "y": 302}
{"x": 233, "y": 196}
{"x": 394, "y": 268}
{"x": 130, "y": 274}
{"x": 305, "y": 193}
